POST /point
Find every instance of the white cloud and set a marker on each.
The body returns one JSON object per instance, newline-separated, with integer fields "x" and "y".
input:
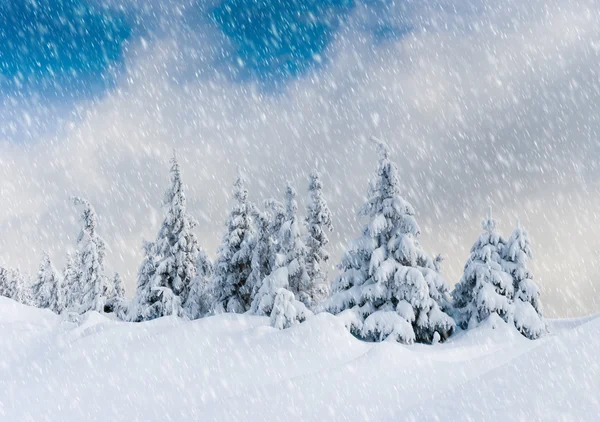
{"x": 499, "y": 106}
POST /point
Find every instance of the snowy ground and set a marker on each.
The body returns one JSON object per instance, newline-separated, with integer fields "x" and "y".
{"x": 237, "y": 368}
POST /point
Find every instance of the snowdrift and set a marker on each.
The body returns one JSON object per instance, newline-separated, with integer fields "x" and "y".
{"x": 237, "y": 368}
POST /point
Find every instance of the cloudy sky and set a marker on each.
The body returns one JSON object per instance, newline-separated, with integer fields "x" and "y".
{"x": 483, "y": 103}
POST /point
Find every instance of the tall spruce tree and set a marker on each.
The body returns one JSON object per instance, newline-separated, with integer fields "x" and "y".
{"x": 261, "y": 252}
{"x": 92, "y": 250}
{"x": 169, "y": 265}
{"x": 528, "y": 316}
{"x": 200, "y": 299}
{"x": 118, "y": 287}
{"x": 390, "y": 288}
{"x": 47, "y": 289}
{"x": 267, "y": 273}
{"x": 147, "y": 304}
{"x": 71, "y": 276}
{"x": 318, "y": 223}
{"x": 484, "y": 287}
{"x": 292, "y": 252}
{"x": 115, "y": 295}
{"x": 232, "y": 290}
{"x": 11, "y": 285}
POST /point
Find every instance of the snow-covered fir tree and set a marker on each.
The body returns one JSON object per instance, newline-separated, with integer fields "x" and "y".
{"x": 232, "y": 290}
{"x": 287, "y": 311}
{"x": 147, "y": 303}
{"x": 390, "y": 288}
{"x": 7, "y": 285}
{"x": 528, "y": 317}
{"x": 42, "y": 288}
{"x": 318, "y": 223}
{"x": 118, "y": 286}
{"x": 276, "y": 212}
{"x": 279, "y": 265}
{"x": 265, "y": 253}
{"x": 115, "y": 297}
{"x": 260, "y": 262}
{"x": 169, "y": 266}
{"x": 292, "y": 252}
{"x": 199, "y": 299}
{"x": 71, "y": 282}
{"x": 276, "y": 300}
{"x": 92, "y": 249}
{"x": 47, "y": 290}
{"x": 485, "y": 287}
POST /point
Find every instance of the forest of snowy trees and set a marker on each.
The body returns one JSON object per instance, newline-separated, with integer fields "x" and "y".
{"x": 274, "y": 264}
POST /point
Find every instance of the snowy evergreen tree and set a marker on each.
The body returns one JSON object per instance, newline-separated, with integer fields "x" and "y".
{"x": 292, "y": 252}
{"x": 484, "y": 287}
{"x": 147, "y": 303}
{"x": 232, "y": 289}
{"x": 118, "y": 286}
{"x": 265, "y": 260}
{"x": 21, "y": 287}
{"x": 528, "y": 316}
{"x": 59, "y": 304}
{"x": 115, "y": 294}
{"x": 276, "y": 212}
{"x": 389, "y": 288}
{"x": 4, "y": 286}
{"x": 92, "y": 281}
{"x": 14, "y": 286}
{"x": 169, "y": 265}
{"x": 200, "y": 299}
{"x": 276, "y": 300}
{"x": 71, "y": 277}
{"x": 260, "y": 262}
{"x": 287, "y": 311}
{"x": 318, "y": 222}
{"x": 47, "y": 290}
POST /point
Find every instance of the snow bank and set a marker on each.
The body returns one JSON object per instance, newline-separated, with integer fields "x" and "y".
{"x": 237, "y": 367}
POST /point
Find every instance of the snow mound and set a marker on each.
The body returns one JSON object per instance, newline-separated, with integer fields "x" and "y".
{"x": 237, "y": 367}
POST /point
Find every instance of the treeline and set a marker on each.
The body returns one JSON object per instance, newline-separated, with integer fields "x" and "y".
{"x": 271, "y": 263}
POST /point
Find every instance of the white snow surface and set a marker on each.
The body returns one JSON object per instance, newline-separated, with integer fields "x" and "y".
{"x": 238, "y": 368}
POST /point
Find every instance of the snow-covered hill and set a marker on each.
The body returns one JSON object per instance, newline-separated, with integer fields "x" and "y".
{"x": 237, "y": 368}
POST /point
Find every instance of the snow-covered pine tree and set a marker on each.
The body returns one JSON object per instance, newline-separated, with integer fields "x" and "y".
{"x": 277, "y": 247}
{"x": 3, "y": 282}
{"x": 261, "y": 259}
{"x": 14, "y": 286}
{"x": 169, "y": 266}
{"x": 146, "y": 304}
{"x": 7, "y": 288}
{"x": 59, "y": 303}
{"x": 528, "y": 316}
{"x": 287, "y": 311}
{"x": 92, "y": 249}
{"x": 484, "y": 287}
{"x": 277, "y": 216}
{"x": 45, "y": 288}
{"x": 199, "y": 298}
{"x": 265, "y": 255}
{"x": 389, "y": 288}
{"x": 232, "y": 290}
{"x": 118, "y": 286}
{"x": 115, "y": 297}
{"x": 71, "y": 282}
{"x": 318, "y": 222}
{"x": 292, "y": 252}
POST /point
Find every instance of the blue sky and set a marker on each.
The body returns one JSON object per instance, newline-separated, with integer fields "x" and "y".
{"x": 59, "y": 48}
{"x": 66, "y": 50}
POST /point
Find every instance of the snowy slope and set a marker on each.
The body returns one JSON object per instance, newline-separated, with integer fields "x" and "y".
{"x": 237, "y": 368}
